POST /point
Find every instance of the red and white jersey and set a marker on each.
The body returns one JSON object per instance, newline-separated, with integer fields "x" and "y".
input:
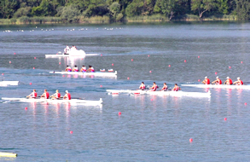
{"x": 164, "y": 88}
{"x": 154, "y": 87}
{"x": 92, "y": 69}
{"x": 75, "y": 69}
{"x": 68, "y": 69}
{"x": 68, "y": 96}
{"x": 176, "y": 88}
{"x": 240, "y": 82}
{"x": 47, "y": 95}
{"x": 34, "y": 95}
{"x": 229, "y": 81}
{"x": 142, "y": 86}
{"x": 83, "y": 69}
{"x": 218, "y": 82}
{"x": 207, "y": 81}
{"x": 58, "y": 95}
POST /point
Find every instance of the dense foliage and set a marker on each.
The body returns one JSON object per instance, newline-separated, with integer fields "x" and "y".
{"x": 70, "y": 10}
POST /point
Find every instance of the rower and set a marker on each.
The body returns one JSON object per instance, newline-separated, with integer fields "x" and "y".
{"x": 154, "y": 87}
{"x": 45, "y": 95}
{"x": 73, "y": 48}
{"x": 67, "y": 96}
{"x": 165, "y": 87}
{"x": 68, "y": 68}
{"x": 238, "y": 82}
{"x": 83, "y": 69}
{"x": 176, "y": 87}
{"x": 206, "y": 81}
{"x": 142, "y": 86}
{"x": 33, "y": 95}
{"x": 75, "y": 69}
{"x": 90, "y": 69}
{"x": 217, "y": 81}
{"x": 56, "y": 96}
{"x": 228, "y": 81}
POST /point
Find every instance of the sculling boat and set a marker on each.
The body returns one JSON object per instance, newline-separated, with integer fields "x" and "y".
{"x": 8, "y": 154}
{"x": 7, "y": 83}
{"x": 169, "y": 93}
{"x": 98, "y": 73}
{"x": 80, "y": 101}
{"x": 217, "y": 86}
{"x": 71, "y": 53}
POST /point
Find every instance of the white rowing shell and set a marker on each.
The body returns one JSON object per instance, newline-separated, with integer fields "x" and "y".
{"x": 6, "y": 83}
{"x": 217, "y": 86}
{"x": 87, "y": 102}
{"x": 87, "y": 73}
{"x": 79, "y": 56}
{"x": 170, "y": 93}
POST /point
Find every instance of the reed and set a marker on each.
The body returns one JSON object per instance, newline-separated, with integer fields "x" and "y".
{"x": 147, "y": 19}
{"x": 95, "y": 20}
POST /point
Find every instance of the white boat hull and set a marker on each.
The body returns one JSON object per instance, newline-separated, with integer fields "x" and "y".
{"x": 217, "y": 86}
{"x": 87, "y": 73}
{"x": 7, "y": 83}
{"x": 80, "y": 101}
{"x": 169, "y": 93}
{"x": 72, "y": 53}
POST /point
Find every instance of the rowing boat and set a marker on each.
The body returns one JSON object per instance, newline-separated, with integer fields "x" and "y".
{"x": 72, "y": 53}
{"x": 80, "y": 101}
{"x": 169, "y": 93}
{"x": 217, "y": 86}
{"x": 87, "y": 73}
{"x": 8, "y": 154}
{"x": 7, "y": 83}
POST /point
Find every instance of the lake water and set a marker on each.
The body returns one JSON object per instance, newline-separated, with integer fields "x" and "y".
{"x": 150, "y": 128}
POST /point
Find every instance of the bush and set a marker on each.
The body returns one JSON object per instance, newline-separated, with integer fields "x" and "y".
{"x": 70, "y": 13}
{"x": 119, "y": 17}
{"x": 22, "y": 12}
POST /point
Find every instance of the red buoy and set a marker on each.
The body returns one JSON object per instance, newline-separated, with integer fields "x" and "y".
{"x": 9, "y": 62}
{"x": 33, "y": 67}
{"x": 128, "y": 78}
{"x": 14, "y": 53}
{"x": 2, "y": 73}
{"x": 198, "y": 56}
{"x": 119, "y": 113}
{"x": 34, "y": 57}
{"x": 26, "y": 108}
{"x": 30, "y": 83}
{"x": 71, "y": 132}
{"x": 225, "y": 119}
{"x": 132, "y": 59}
{"x": 199, "y": 80}
{"x": 59, "y": 63}
{"x": 169, "y": 65}
{"x": 229, "y": 67}
{"x": 148, "y": 55}
{"x": 215, "y": 73}
{"x": 185, "y": 60}
{"x": 100, "y": 85}
{"x": 190, "y": 140}
{"x": 112, "y": 64}
{"x": 245, "y": 104}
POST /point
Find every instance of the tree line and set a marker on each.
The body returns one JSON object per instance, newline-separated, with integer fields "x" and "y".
{"x": 116, "y": 10}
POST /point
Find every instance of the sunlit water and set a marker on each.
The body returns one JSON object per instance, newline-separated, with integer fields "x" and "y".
{"x": 150, "y": 128}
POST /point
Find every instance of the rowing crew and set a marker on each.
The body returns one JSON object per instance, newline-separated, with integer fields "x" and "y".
{"x": 227, "y": 82}
{"x": 164, "y": 88}
{"x": 45, "y": 95}
{"x": 83, "y": 69}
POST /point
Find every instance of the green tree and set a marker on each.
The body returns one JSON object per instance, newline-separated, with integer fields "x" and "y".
{"x": 165, "y": 7}
{"x": 70, "y": 13}
{"x": 134, "y": 8}
{"x": 202, "y": 6}
{"x": 8, "y": 8}
{"x": 242, "y": 9}
{"x": 223, "y": 6}
{"x": 24, "y": 11}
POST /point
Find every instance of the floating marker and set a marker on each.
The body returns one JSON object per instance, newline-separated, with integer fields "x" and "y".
{"x": 245, "y": 103}
{"x": 9, "y": 62}
{"x": 150, "y": 71}
{"x": 33, "y": 67}
{"x": 2, "y": 73}
{"x": 229, "y": 67}
{"x": 101, "y": 54}
{"x": 115, "y": 93}
{"x": 14, "y": 53}
{"x": 169, "y": 65}
{"x": 30, "y": 83}
{"x": 128, "y": 78}
{"x": 112, "y": 64}
{"x": 215, "y": 73}
{"x": 71, "y": 132}
{"x": 198, "y": 56}
{"x": 59, "y": 63}
{"x": 190, "y": 140}
{"x": 26, "y": 108}
{"x": 148, "y": 55}
{"x": 100, "y": 85}
{"x": 199, "y": 80}
{"x": 34, "y": 57}
{"x": 82, "y": 58}
{"x": 225, "y": 119}
{"x": 151, "y": 99}
{"x": 241, "y": 62}
{"x": 119, "y": 113}
{"x": 185, "y": 60}
{"x": 132, "y": 59}
{"x": 63, "y": 75}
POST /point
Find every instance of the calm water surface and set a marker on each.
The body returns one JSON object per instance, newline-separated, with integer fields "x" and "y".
{"x": 151, "y": 128}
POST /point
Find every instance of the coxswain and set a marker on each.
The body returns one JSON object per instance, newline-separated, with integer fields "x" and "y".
{"x": 176, "y": 87}
{"x": 75, "y": 69}
{"x": 83, "y": 69}
{"x": 33, "y": 95}
{"x": 73, "y": 48}
{"x": 90, "y": 69}
{"x": 228, "y": 81}
{"x": 154, "y": 87}
{"x": 68, "y": 68}
{"x": 67, "y": 96}
{"x": 142, "y": 86}
{"x": 238, "y": 82}
{"x": 217, "y": 81}
{"x": 56, "y": 96}
{"x": 165, "y": 87}
{"x": 206, "y": 81}
{"x": 45, "y": 95}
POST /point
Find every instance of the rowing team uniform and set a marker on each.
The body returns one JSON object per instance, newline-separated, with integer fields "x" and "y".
{"x": 92, "y": 69}
{"x": 83, "y": 69}
{"x": 57, "y": 95}
{"x": 240, "y": 83}
{"x": 164, "y": 88}
{"x": 142, "y": 87}
{"x": 176, "y": 88}
{"x": 68, "y": 69}
{"x": 75, "y": 69}
{"x": 68, "y": 96}
{"x": 46, "y": 95}
{"x": 154, "y": 88}
{"x": 218, "y": 82}
{"x": 229, "y": 82}
{"x": 33, "y": 95}
{"x": 207, "y": 81}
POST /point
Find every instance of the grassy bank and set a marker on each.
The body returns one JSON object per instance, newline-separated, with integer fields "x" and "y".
{"x": 106, "y": 19}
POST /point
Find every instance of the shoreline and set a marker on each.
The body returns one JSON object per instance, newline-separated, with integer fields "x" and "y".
{"x": 126, "y": 20}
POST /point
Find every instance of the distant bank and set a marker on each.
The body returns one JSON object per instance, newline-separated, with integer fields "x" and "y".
{"x": 107, "y": 20}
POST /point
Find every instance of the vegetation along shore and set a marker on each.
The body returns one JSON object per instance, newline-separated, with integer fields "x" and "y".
{"x": 124, "y": 11}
